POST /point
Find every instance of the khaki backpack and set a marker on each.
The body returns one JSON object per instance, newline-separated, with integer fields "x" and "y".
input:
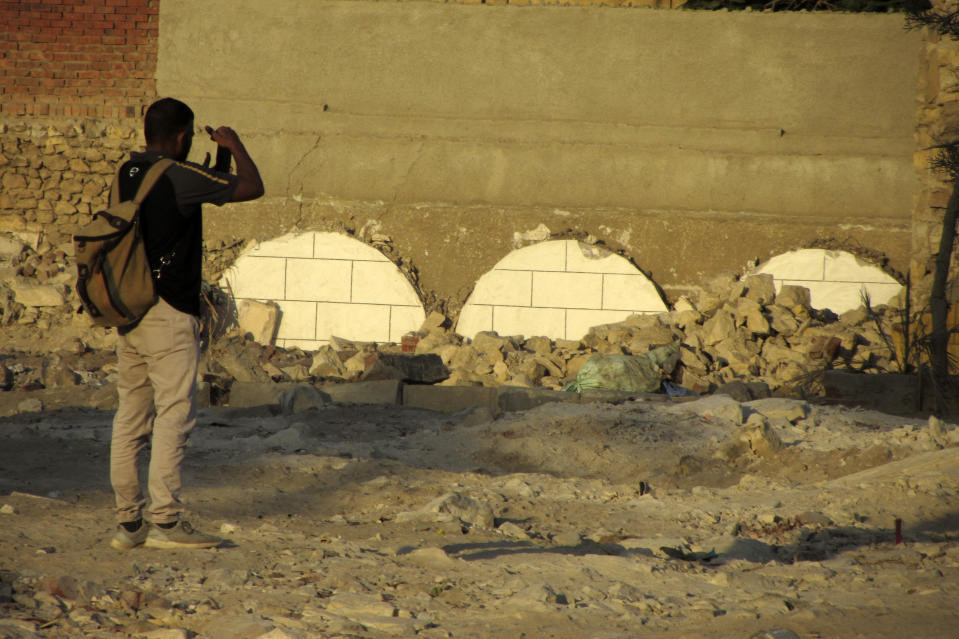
{"x": 114, "y": 280}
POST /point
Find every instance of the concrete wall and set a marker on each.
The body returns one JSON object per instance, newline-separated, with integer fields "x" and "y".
{"x": 690, "y": 142}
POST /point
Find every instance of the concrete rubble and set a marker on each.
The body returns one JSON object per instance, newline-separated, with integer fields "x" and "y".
{"x": 741, "y": 337}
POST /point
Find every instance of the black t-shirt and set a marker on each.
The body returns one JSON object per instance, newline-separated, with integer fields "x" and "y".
{"x": 172, "y": 220}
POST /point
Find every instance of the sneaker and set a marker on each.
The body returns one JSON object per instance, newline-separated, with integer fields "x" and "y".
{"x": 180, "y": 536}
{"x": 126, "y": 540}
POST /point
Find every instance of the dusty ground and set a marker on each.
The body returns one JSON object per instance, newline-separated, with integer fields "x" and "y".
{"x": 565, "y": 521}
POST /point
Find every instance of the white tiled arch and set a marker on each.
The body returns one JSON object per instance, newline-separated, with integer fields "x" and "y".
{"x": 327, "y": 284}
{"x": 557, "y": 289}
{"x": 836, "y": 279}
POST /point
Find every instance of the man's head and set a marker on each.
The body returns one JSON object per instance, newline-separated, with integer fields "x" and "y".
{"x": 168, "y": 128}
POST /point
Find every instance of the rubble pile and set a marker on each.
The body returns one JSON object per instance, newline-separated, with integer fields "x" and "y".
{"x": 739, "y": 331}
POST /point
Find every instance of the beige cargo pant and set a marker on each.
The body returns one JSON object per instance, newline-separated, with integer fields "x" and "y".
{"x": 157, "y": 366}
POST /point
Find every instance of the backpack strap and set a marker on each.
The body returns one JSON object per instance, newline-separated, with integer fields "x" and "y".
{"x": 150, "y": 179}
{"x": 114, "y": 190}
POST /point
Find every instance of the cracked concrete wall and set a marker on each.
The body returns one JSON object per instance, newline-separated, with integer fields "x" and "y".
{"x": 689, "y": 142}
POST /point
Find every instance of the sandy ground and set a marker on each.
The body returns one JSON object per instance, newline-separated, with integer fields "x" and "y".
{"x": 638, "y": 519}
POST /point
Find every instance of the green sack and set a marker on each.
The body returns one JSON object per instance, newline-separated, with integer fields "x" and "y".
{"x": 640, "y": 373}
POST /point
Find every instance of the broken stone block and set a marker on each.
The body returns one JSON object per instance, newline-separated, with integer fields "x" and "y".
{"x": 435, "y": 321}
{"x": 684, "y": 304}
{"x": 466, "y": 357}
{"x": 855, "y": 317}
{"x": 694, "y": 380}
{"x": 763, "y": 440}
{"x": 739, "y": 353}
{"x": 824, "y": 348}
{"x": 718, "y": 327}
{"x": 31, "y": 294}
{"x": 303, "y": 398}
{"x": 782, "y": 320}
{"x": 297, "y": 372}
{"x": 539, "y": 345}
{"x": 532, "y": 369}
{"x": 645, "y": 340}
{"x": 776, "y": 408}
{"x": 274, "y": 371}
{"x": 684, "y": 320}
{"x": 792, "y": 296}
{"x": 434, "y": 341}
{"x": 761, "y": 288}
{"x": 259, "y": 319}
{"x": 489, "y": 342}
{"x": 744, "y": 391}
{"x": 326, "y": 363}
{"x": 413, "y": 369}
{"x": 776, "y": 350}
{"x": 750, "y": 314}
{"x": 694, "y": 360}
{"x": 466, "y": 509}
{"x": 716, "y": 407}
{"x": 358, "y": 363}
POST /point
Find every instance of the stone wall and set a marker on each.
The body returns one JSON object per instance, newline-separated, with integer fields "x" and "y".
{"x": 461, "y": 133}
{"x": 937, "y": 123}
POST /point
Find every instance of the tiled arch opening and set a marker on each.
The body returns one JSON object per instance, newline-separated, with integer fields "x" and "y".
{"x": 836, "y": 280}
{"x": 557, "y": 289}
{"x": 327, "y": 284}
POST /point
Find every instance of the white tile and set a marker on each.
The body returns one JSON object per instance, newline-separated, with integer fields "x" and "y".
{"x": 568, "y": 290}
{"x": 882, "y": 293}
{"x": 631, "y": 293}
{"x": 297, "y": 320}
{"x": 404, "y": 319}
{"x": 508, "y": 288}
{"x": 336, "y": 246}
{"x": 846, "y": 267}
{"x": 804, "y": 264}
{"x": 545, "y": 256}
{"x": 474, "y": 319}
{"x": 839, "y": 297}
{"x": 530, "y": 322}
{"x": 319, "y": 280}
{"x": 360, "y": 322}
{"x": 257, "y": 277}
{"x": 287, "y": 246}
{"x": 382, "y": 283}
{"x": 578, "y": 322}
{"x": 589, "y": 258}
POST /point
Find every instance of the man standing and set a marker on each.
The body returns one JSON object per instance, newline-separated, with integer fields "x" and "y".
{"x": 158, "y": 357}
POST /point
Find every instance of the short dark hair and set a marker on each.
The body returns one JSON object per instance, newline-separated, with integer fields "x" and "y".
{"x": 165, "y": 118}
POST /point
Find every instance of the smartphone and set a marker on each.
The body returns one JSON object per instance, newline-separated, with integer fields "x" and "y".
{"x": 223, "y": 155}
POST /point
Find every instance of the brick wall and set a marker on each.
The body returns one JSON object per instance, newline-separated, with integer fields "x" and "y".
{"x": 77, "y": 58}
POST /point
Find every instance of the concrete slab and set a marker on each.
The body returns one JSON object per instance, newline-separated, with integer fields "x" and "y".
{"x": 888, "y": 393}
{"x": 511, "y": 399}
{"x": 298, "y": 320}
{"x": 247, "y": 394}
{"x": 378, "y": 392}
{"x": 449, "y": 399}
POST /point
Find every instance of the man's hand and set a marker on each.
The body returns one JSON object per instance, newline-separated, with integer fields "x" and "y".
{"x": 225, "y": 136}
{"x": 249, "y": 186}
